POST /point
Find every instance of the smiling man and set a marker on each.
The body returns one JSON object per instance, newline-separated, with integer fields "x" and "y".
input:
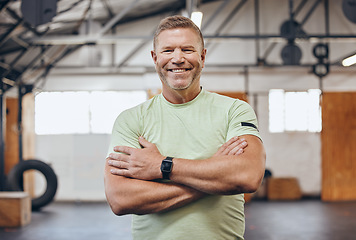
{"x": 179, "y": 59}
{"x": 181, "y": 161}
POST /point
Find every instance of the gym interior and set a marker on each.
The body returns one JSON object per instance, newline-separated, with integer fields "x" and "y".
{"x": 69, "y": 67}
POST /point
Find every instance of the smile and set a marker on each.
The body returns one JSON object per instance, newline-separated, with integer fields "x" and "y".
{"x": 179, "y": 70}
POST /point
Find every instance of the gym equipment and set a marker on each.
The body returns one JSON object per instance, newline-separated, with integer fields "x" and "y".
{"x": 38, "y": 12}
{"x": 15, "y": 209}
{"x": 349, "y": 9}
{"x": 14, "y": 180}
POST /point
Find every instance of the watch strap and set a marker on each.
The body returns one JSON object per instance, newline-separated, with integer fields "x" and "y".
{"x": 166, "y": 167}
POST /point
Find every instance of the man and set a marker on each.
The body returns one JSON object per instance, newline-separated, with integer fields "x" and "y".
{"x": 180, "y": 161}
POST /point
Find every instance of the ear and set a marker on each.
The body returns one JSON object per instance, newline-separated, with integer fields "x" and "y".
{"x": 154, "y": 56}
{"x": 202, "y": 56}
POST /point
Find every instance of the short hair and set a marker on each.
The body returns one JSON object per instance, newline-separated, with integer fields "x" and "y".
{"x": 177, "y": 21}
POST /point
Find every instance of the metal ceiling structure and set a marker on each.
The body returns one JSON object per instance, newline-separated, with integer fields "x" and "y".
{"x": 33, "y": 51}
{"x": 21, "y": 40}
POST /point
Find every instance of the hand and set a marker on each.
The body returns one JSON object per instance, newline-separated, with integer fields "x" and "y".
{"x": 136, "y": 163}
{"x": 234, "y": 146}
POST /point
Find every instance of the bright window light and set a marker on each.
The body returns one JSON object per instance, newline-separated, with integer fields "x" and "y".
{"x": 61, "y": 112}
{"x": 197, "y": 18}
{"x": 276, "y": 110}
{"x": 314, "y": 111}
{"x": 294, "y": 111}
{"x": 106, "y": 106}
{"x": 82, "y": 112}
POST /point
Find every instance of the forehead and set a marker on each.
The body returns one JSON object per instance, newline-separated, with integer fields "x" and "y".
{"x": 178, "y": 37}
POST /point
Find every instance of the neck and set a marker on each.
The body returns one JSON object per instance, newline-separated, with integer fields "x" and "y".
{"x": 180, "y": 96}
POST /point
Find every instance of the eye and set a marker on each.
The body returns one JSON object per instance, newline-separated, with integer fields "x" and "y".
{"x": 188, "y": 50}
{"x": 167, "y": 51}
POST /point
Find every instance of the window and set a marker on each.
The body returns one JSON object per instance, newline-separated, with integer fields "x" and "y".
{"x": 294, "y": 111}
{"x": 82, "y": 112}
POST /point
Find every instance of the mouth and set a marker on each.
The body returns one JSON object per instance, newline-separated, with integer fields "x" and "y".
{"x": 179, "y": 70}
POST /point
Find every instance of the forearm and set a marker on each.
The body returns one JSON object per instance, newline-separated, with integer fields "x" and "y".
{"x": 230, "y": 179}
{"x": 230, "y": 174}
{"x": 227, "y": 172}
{"x": 133, "y": 196}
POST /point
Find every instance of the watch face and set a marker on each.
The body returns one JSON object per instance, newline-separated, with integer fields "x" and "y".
{"x": 166, "y": 166}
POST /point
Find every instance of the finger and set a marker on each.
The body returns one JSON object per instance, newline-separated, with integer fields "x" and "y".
{"x": 238, "y": 148}
{"x": 232, "y": 140}
{"x": 120, "y": 172}
{"x": 113, "y": 156}
{"x": 118, "y": 164}
{"x": 223, "y": 149}
{"x": 123, "y": 149}
{"x": 231, "y": 145}
{"x": 119, "y": 157}
{"x": 144, "y": 143}
{"x": 236, "y": 151}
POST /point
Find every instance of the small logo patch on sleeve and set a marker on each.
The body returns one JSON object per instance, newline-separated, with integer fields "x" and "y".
{"x": 246, "y": 124}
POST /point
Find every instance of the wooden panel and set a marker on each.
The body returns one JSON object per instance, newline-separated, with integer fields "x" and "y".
{"x": 151, "y": 93}
{"x": 283, "y": 189}
{"x": 28, "y": 137}
{"x": 238, "y": 95}
{"x": 11, "y": 135}
{"x": 15, "y": 209}
{"x": 28, "y": 126}
{"x": 338, "y": 139}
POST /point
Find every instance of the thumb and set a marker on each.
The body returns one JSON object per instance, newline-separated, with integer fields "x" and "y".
{"x": 143, "y": 142}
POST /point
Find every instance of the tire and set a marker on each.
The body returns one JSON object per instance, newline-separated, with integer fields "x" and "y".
{"x": 15, "y": 181}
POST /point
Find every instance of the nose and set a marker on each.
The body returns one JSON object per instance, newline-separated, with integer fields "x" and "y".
{"x": 178, "y": 56}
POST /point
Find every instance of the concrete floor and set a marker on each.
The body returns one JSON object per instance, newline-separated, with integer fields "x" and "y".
{"x": 300, "y": 220}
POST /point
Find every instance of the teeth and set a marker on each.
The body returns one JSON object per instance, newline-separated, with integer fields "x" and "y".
{"x": 178, "y": 70}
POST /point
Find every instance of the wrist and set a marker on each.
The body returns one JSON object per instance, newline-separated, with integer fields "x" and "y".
{"x": 166, "y": 167}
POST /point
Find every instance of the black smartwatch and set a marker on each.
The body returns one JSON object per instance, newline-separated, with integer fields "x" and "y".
{"x": 166, "y": 167}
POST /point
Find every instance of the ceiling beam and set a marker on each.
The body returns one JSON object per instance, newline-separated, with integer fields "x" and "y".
{"x": 109, "y": 39}
{"x": 116, "y": 19}
{"x": 214, "y": 15}
{"x": 309, "y": 13}
{"x": 107, "y": 8}
{"x": 12, "y": 64}
{"x": 6, "y": 35}
{"x": 230, "y": 16}
{"x": 70, "y": 7}
{"x": 3, "y": 4}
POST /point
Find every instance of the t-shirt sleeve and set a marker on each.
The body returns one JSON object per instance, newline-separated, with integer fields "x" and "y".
{"x": 242, "y": 120}
{"x": 125, "y": 131}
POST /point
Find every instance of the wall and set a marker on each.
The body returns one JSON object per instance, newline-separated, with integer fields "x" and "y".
{"x": 79, "y": 159}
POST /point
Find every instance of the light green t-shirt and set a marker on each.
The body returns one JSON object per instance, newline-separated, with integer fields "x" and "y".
{"x": 193, "y": 130}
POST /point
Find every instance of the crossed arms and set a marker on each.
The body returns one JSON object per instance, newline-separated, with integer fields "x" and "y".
{"x": 130, "y": 178}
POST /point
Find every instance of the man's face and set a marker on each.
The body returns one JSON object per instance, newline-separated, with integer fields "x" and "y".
{"x": 179, "y": 58}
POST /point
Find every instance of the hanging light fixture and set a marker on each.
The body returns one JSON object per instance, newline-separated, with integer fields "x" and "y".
{"x": 349, "y": 61}
{"x": 197, "y": 18}
{"x": 193, "y": 13}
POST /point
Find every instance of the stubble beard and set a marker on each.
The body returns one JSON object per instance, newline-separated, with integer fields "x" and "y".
{"x": 193, "y": 79}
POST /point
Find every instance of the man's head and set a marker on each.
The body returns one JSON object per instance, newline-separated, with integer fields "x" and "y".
{"x": 179, "y": 56}
{"x": 174, "y": 22}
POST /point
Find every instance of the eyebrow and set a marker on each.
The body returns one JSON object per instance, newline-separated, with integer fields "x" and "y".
{"x": 186, "y": 46}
